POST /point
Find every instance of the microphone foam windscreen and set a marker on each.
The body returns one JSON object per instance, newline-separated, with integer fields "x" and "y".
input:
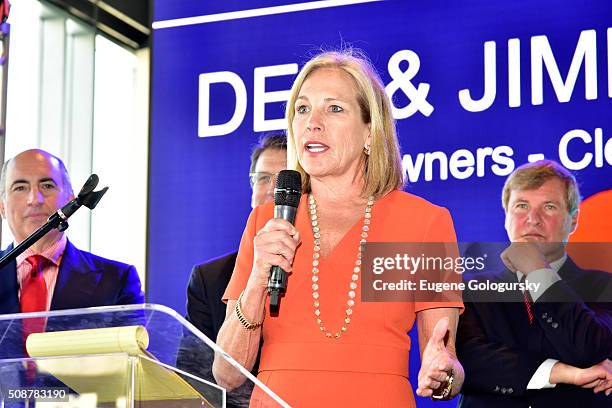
{"x": 288, "y": 188}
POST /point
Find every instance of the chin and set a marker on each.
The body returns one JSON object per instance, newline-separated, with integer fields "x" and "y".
{"x": 33, "y": 226}
{"x": 313, "y": 171}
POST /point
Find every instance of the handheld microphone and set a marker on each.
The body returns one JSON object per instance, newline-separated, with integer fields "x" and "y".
{"x": 287, "y": 193}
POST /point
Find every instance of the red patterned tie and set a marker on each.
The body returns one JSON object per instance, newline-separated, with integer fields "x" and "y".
{"x": 34, "y": 290}
{"x": 528, "y": 302}
{"x": 34, "y": 299}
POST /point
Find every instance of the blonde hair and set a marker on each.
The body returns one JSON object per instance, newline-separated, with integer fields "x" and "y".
{"x": 383, "y": 167}
{"x": 531, "y": 176}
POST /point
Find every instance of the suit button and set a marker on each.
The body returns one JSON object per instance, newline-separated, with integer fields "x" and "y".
{"x": 549, "y": 320}
{"x": 545, "y": 315}
{"x": 555, "y": 325}
{"x": 503, "y": 390}
{"x": 496, "y": 388}
{"x": 510, "y": 390}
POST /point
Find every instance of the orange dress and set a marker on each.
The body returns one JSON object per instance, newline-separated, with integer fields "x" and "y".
{"x": 368, "y": 365}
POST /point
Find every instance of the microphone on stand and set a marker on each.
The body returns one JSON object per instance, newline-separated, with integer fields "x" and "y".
{"x": 287, "y": 194}
{"x": 87, "y": 197}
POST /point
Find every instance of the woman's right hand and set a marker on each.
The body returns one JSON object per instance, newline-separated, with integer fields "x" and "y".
{"x": 274, "y": 245}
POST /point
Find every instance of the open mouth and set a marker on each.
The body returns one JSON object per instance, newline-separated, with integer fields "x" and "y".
{"x": 315, "y": 147}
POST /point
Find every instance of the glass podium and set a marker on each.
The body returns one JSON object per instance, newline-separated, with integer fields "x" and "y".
{"x": 117, "y": 356}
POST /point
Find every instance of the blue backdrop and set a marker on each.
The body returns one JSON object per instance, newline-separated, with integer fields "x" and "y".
{"x": 480, "y": 88}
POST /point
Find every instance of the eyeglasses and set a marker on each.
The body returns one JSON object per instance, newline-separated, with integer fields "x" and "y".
{"x": 261, "y": 178}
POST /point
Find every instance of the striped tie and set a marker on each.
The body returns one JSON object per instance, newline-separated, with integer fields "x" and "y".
{"x": 528, "y": 301}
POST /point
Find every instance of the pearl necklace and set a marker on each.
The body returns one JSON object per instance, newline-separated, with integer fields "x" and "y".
{"x": 315, "y": 267}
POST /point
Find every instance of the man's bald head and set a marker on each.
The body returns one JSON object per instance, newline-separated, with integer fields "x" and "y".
{"x": 33, "y": 185}
{"x": 39, "y": 154}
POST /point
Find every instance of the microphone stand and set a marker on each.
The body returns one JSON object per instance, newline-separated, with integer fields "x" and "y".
{"x": 59, "y": 219}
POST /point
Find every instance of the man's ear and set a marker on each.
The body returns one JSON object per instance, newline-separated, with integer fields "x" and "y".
{"x": 2, "y": 208}
{"x": 574, "y": 221}
{"x": 68, "y": 198}
{"x": 506, "y": 223}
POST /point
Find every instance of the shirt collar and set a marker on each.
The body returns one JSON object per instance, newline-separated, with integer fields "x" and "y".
{"x": 53, "y": 252}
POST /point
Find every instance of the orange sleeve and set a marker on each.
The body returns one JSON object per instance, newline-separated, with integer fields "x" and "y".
{"x": 244, "y": 261}
{"x": 441, "y": 229}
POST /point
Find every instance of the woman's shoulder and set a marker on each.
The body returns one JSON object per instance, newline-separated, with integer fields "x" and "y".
{"x": 398, "y": 199}
{"x": 265, "y": 212}
{"x": 414, "y": 218}
{"x": 264, "y": 208}
{"x": 262, "y": 213}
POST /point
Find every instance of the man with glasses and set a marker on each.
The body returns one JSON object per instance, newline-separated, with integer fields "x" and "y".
{"x": 268, "y": 158}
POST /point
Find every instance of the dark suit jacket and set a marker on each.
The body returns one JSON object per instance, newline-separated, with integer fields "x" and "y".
{"x": 500, "y": 351}
{"x": 83, "y": 280}
{"x": 206, "y": 287}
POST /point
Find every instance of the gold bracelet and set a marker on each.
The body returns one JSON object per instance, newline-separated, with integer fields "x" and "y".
{"x": 243, "y": 321}
{"x": 448, "y": 386}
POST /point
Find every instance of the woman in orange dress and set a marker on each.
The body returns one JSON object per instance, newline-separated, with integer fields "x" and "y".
{"x": 327, "y": 347}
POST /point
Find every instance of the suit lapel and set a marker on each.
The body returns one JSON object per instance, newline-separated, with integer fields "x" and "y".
{"x": 569, "y": 271}
{"x": 77, "y": 280}
{"x": 9, "y": 288}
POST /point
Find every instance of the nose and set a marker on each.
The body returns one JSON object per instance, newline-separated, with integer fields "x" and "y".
{"x": 314, "y": 122}
{"x": 35, "y": 196}
{"x": 533, "y": 216}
